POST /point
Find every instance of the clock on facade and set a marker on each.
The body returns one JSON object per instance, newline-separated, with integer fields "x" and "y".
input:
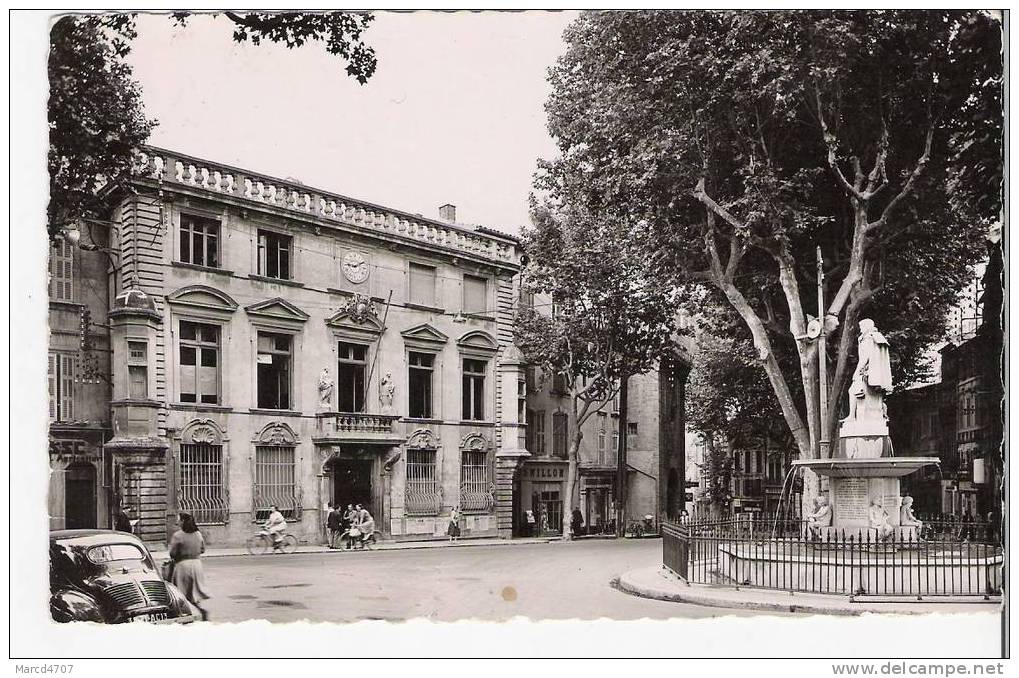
{"x": 354, "y": 267}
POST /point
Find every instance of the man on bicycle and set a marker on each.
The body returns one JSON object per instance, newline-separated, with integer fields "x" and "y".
{"x": 276, "y": 526}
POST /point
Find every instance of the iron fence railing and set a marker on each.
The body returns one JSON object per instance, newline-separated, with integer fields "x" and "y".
{"x": 939, "y": 559}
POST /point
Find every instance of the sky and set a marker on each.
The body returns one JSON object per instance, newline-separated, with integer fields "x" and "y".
{"x": 454, "y": 113}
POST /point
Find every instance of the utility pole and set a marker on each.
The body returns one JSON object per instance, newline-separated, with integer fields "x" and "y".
{"x": 621, "y": 459}
{"x": 822, "y": 361}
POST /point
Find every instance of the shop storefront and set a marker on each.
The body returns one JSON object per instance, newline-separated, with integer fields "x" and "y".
{"x": 542, "y": 492}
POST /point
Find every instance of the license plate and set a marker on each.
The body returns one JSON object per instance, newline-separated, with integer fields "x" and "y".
{"x": 154, "y": 616}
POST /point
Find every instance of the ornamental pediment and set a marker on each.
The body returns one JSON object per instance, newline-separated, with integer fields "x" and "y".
{"x": 479, "y": 341}
{"x": 424, "y": 333}
{"x": 276, "y": 309}
{"x": 358, "y": 314}
{"x": 202, "y": 296}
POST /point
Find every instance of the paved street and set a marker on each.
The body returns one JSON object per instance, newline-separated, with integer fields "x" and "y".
{"x": 539, "y": 581}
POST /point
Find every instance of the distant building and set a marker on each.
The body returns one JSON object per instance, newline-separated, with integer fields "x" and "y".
{"x": 655, "y": 456}
{"x": 78, "y": 365}
{"x": 959, "y": 419}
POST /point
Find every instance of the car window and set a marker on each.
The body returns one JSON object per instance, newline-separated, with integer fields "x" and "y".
{"x": 111, "y": 552}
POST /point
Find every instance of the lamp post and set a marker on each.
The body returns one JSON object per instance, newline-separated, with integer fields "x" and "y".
{"x": 824, "y": 444}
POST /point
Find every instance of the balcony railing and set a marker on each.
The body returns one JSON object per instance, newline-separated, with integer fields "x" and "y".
{"x": 360, "y": 422}
{"x": 174, "y": 168}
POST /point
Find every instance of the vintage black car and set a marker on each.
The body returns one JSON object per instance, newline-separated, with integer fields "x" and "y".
{"x": 109, "y": 577}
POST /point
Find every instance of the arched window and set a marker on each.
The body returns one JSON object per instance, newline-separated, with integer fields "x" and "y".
{"x": 201, "y": 473}
{"x": 475, "y": 475}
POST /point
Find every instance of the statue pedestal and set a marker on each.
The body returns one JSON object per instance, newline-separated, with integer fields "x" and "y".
{"x": 864, "y": 439}
{"x": 850, "y": 501}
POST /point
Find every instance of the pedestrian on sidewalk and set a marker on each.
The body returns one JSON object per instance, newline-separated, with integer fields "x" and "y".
{"x": 577, "y": 522}
{"x": 334, "y": 521}
{"x": 122, "y": 521}
{"x": 529, "y": 522}
{"x": 349, "y": 522}
{"x": 454, "y": 524}
{"x": 186, "y": 548}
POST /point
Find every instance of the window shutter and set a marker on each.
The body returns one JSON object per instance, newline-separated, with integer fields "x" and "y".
{"x": 475, "y": 294}
{"x": 67, "y": 365}
{"x": 422, "y": 285}
{"x": 51, "y": 374}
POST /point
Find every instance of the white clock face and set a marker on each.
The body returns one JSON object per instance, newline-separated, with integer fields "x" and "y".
{"x": 354, "y": 267}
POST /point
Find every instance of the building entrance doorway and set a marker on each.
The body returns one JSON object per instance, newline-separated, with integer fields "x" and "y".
{"x": 599, "y": 510}
{"x": 548, "y": 510}
{"x": 80, "y": 497}
{"x": 352, "y": 482}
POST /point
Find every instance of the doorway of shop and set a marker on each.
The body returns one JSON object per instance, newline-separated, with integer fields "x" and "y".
{"x": 548, "y": 508}
{"x": 80, "y": 497}
{"x": 352, "y": 482}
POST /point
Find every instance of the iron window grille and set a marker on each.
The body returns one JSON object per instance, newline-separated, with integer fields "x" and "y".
{"x": 350, "y": 372}
{"x": 275, "y": 482}
{"x": 200, "y": 482}
{"x": 274, "y": 358}
{"x": 199, "y": 240}
{"x": 475, "y": 482}
{"x": 274, "y": 255}
{"x": 422, "y": 496}
{"x": 61, "y": 271}
{"x": 474, "y": 389}
{"x": 419, "y": 389}
{"x": 199, "y": 363}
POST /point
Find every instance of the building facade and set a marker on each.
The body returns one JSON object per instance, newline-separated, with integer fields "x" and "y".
{"x": 277, "y": 345}
{"x": 78, "y": 363}
{"x": 655, "y": 452}
{"x": 959, "y": 418}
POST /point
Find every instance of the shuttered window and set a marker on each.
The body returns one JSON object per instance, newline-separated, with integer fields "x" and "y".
{"x": 422, "y": 285}
{"x": 475, "y": 294}
{"x": 138, "y": 369}
{"x": 61, "y": 373}
{"x": 560, "y": 434}
{"x": 61, "y": 271}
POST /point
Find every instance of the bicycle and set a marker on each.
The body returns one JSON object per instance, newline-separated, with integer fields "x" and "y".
{"x": 262, "y": 542}
{"x": 358, "y": 543}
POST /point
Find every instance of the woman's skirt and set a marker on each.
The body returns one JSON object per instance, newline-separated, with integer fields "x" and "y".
{"x": 189, "y": 577}
{"x": 453, "y": 530}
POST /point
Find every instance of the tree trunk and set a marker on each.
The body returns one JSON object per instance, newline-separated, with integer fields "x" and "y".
{"x": 624, "y": 389}
{"x": 571, "y": 480}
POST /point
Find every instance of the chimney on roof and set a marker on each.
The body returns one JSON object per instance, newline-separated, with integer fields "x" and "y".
{"x": 447, "y": 212}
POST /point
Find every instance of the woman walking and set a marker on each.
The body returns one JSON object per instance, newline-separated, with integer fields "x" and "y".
{"x": 454, "y": 524}
{"x": 186, "y": 547}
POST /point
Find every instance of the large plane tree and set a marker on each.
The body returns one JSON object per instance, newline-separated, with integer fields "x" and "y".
{"x": 749, "y": 139}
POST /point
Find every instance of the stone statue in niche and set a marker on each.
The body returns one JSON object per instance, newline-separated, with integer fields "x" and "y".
{"x": 325, "y": 389}
{"x": 872, "y": 379}
{"x": 387, "y": 391}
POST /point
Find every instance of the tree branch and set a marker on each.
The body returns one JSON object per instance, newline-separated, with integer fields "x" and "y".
{"x": 910, "y": 182}
{"x": 831, "y": 142}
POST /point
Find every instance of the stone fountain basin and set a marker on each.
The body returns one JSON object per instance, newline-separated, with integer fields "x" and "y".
{"x": 880, "y": 467}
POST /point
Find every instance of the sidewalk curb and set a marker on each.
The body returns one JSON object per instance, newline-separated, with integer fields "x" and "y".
{"x": 385, "y": 546}
{"x": 662, "y": 587}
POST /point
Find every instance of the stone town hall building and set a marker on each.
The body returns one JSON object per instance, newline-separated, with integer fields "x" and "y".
{"x": 275, "y": 344}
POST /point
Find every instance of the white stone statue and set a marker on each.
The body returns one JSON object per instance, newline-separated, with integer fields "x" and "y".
{"x": 821, "y": 517}
{"x": 906, "y": 516}
{"x": 387, "y": 391}
{"x": 325, "y": 389}
{"x": 878, "y": 519}
{"x": 872, "y": 378}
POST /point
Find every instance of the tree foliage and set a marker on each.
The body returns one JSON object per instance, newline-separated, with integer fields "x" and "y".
{"x": 609, "y": 316}
{"x": 748, "y": 139}
{"x": 95, "y": 111}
